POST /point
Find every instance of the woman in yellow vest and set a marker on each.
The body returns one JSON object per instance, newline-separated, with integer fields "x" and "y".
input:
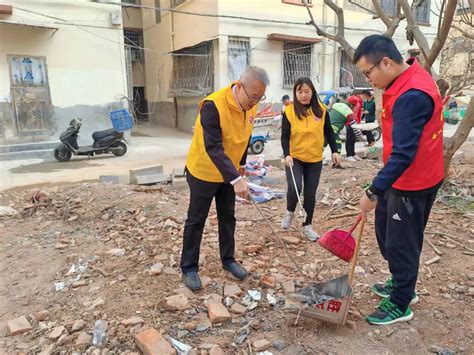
{"x": 305, "y": 124}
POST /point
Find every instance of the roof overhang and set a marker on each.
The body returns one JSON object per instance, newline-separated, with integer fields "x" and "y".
{"x": 32, "y": 25}
{"x": 281, "y": 37}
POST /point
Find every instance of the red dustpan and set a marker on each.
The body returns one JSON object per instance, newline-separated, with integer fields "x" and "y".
{"x": 339, "y": 242}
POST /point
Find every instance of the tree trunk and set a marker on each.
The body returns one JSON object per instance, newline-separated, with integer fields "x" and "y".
{"x": 452, "y": 144}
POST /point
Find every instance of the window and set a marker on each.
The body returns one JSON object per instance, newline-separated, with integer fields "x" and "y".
{"x": 193, "y": 71}
{"x": 422, "y": 13}
{"x": 389, "y": 7}
{"x": 296, "y": 62}
{"x": 297, "y": 2}
{"x": 133, "y": 2}
{"x": 134, "y": 39}
{"x": 175, "y": 3}
{"x": 238, "y": 56}
{"x": 157, "y": 11}
{"x": 349, "y": 75}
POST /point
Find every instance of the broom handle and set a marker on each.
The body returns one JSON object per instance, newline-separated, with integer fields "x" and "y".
{"x": 356, "y": 223}
{"x": 356, "y": 253}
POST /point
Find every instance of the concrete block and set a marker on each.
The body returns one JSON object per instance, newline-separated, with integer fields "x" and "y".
{"x": 179, "y": 182}
{"x": 150, "y": 170}
{"x": 151, "y": 179}
{"x": 114, "y": 179}
{"x": 178, "y": 172}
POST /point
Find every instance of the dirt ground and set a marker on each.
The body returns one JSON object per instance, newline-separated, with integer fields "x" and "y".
{"x": 113, "y": 234}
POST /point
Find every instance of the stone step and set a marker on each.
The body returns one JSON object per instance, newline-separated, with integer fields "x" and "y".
{"x": 45, "y": 154}
{"x": 28, "y": 146}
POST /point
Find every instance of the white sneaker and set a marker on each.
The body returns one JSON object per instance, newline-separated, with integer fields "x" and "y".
{"x": 351, "y": 159}
{"x": 358, "y": 158}
{"x": 309, "y": 233}
{"x": 287, "y": 219}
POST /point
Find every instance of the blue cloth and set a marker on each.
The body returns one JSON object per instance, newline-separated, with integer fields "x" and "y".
{"x": 411, "y": 112}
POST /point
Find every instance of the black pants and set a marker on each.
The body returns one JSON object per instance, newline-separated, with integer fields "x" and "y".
{"x": 399, "y": 226}
{"x": 350, "y": 142}
{"x": 370, "y": 136}
{"x": 310, "y": 173}
{"x": 202, "y": 194}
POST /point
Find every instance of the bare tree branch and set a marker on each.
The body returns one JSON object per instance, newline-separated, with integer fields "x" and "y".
{"x": 380, "y": 13}
{"x": 413, "y": 31}
{"x": 465, "y": 33}
{"x": 440, "y": 17}
{"x": 370, "y": 11}
{"x": 339, "y": 37}
{"x": 442, "y": 33}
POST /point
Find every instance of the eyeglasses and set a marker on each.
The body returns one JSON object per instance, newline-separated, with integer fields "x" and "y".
{"x": 253, "y": 99}
{"x": 367, "y": 72}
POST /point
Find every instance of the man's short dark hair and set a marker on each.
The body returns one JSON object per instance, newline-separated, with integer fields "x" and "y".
{"x": 285, "y": 97}
{"x": 375, "y": 47}
{"x": 366, "y": 92}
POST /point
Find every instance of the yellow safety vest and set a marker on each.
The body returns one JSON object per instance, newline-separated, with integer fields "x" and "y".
{"x": 236, "y": 126}
{"x": 307, "y": 135}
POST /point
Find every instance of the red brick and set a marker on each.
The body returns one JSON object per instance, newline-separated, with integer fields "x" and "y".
{"x": 177, "y": 302}
{"x": 132, "y": 321}
{"x": 151, "y": 342}
{"x": 268, "y": 281}
{"x": 218, "y": 313}
{"x": 19, "y": 325}
{"x": 261, "y": 345}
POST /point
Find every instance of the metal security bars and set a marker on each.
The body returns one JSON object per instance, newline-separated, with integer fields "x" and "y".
{"x": 134, "y": 40}
{"x": 193, "y": 71}
{"x": 297, "y": 60}
{"x": 350, "y": 75}
{"x": 238, "y": 56}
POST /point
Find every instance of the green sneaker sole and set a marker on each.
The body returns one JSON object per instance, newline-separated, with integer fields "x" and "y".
{"x": 414, "y": 300}
{"x": 405, "y": 318}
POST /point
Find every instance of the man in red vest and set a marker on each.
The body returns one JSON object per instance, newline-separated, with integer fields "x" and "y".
{"x": 404, "y": 190}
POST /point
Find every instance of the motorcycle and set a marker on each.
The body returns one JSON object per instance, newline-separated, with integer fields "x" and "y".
{"x": 105, "y": 142}
{"x": 372, "y": 127}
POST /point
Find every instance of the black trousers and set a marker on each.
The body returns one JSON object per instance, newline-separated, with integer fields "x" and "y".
{"x": 370, "y": 136}
{"x": 350, "y": 141}
{"x": 202, "y": 194}
{"x": 399, "y": 225}
{"x": 310, "y": 173}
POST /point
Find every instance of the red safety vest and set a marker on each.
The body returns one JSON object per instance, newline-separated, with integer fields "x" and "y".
{"x": 427, "y": 168}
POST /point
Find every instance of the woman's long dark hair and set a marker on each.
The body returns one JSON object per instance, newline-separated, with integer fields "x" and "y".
{"x": 300, "y": 109}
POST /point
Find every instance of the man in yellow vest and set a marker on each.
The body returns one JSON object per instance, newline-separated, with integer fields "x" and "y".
{"x": 215, "y": 166}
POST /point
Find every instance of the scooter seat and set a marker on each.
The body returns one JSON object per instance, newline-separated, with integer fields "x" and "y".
{"x": 105, "y": 133}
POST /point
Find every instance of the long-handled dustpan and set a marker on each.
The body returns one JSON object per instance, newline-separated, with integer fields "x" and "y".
{"x": 339, "y": 242}
{"x": 328, "y": 301}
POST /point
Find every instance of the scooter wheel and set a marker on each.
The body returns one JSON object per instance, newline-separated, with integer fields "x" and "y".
{"x": 257, "y": 147}
{"x": 62, "y": 154}
{"x": 377, "y": 133}
{"x": 119, "y": 149}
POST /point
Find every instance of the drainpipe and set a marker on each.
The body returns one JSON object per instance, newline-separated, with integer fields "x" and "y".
{"x": 325, "y": 40}
{"x": 175, "y": 100}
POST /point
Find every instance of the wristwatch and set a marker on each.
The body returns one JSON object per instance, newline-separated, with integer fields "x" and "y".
{"x": 371, "y": 195}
